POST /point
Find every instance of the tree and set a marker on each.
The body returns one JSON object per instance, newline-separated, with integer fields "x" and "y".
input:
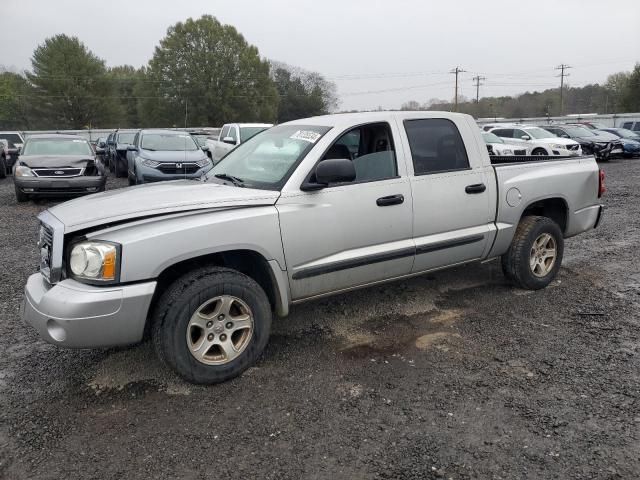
{"x": 301, "y": 93}
{"x": 630, "y": 98}
{"x": 70, "y": 86}
{"x": 205, "y": 73}
{"x": 14, "y": 101}
{"x": 411, "y": 105}
{"x": 128, "y": 84}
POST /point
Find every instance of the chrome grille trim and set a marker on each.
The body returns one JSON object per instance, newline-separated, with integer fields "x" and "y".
{"x": 51, "y": 240}
{"x": 68, "y": 172}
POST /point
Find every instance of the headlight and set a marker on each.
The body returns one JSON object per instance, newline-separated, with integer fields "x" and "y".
{"x": 95, "y": 261}
{"x": 150, "y": 163}
{"x": 203, "y": 163}
{"x": 507, "y": 151}
{"x": 22, "y": 171}
{"x": 559, "y": 147}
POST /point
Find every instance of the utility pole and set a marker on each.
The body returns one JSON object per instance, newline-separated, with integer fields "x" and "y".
{"x": 477, "y": 79}
{"x": 456, "y": 71}
{"x": 562, "y": 67}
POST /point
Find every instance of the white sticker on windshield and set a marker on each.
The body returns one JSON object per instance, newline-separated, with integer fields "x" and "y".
{"x": 306, "y": 135}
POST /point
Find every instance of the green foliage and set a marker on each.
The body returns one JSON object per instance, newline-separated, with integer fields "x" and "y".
{"x": 70, "y": 86}
{"x": 208, "y": 72}
{"x": 302, "y": 94}
{"x": 14, "y": 101}
{"x": 630, "y": 94}
{"x": 128, "y": 84}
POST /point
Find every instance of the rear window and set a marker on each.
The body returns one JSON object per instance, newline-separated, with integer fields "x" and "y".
{"x": 503, "y": 132}
{"x": 58, "y": 147}
{"x": 436, "y": 146}
{"x": 126, "y": 137}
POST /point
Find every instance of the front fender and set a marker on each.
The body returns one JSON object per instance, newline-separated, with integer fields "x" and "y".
{"x": 150, "y": 246}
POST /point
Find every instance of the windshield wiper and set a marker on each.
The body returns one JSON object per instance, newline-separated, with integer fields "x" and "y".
{"x": 238, "y": 182}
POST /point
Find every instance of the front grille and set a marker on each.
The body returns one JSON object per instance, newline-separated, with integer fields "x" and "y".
{"x": 490, "y": 149}
{"x": 573, "y": 147}
{"x": 45, "y": 245}
{"x": 178, "y": 168}
{"x": 520, "y": 152}
{"x": 57, "y": 172}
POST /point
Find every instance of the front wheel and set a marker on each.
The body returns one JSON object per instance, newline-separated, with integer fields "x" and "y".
{"x": 535, "y": 255}
{"x": 539, "y": 151}
{"x": 3, "y": 167}
{"x": 21, "y": 197}
{"x": 211, "y": 324}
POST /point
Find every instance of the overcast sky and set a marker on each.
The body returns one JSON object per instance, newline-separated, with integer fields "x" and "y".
{"x": 379, "y": 52}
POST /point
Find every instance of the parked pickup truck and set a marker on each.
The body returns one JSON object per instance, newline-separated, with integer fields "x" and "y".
{"x": 232, "y": 135}
{"x": 306, "y": 209}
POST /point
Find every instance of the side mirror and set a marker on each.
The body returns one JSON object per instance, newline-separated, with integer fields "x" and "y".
{"x": 229, "y": 140}
{"x": 205, "y": 148}
{"x": 132, "y": 148}
{"x": 564, "y": 135}
{"x": 335, "y": 171}
{"x": 101, "y": 144}
{"x": 525, "y": 137}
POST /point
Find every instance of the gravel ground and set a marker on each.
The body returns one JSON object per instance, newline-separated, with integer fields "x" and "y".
{"x": 452, "y": 375}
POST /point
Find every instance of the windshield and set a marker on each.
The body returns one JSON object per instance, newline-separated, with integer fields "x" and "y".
{"x": 539, "y": 133}
{"x": 247, "y": 132}
{"x": 200, "y": 139}
{"x": 11, "y": 138}
{"x": 624, "y": 133}
{"x": 578, "y": 132}
{"x": 126, "y": 137}
{"x": 62, "y": 146}
{"x": 168, "y": 142}
{"x": 266, "y": 160}
{"x": 491, "y": 138}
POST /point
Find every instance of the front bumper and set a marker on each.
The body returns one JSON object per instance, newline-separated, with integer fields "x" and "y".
{"x": 72, "y": 314}
{"x": 60, "y": 186}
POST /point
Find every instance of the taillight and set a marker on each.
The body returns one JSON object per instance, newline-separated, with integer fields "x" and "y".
{"x": 601, "y": 186}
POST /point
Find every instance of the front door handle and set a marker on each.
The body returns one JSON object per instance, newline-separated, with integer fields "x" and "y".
{"x": 390, "y": 200}
{"x": 477, "y": 188}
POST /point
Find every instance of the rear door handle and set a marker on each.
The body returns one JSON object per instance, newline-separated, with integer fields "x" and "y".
{"x": 390, "y": 200}
{"x": 477, "y": 188}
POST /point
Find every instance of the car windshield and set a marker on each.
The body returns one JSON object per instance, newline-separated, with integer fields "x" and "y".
{"x": 200, "y": 139}
{"x": 491, "y": 138}
{"x": 11, "y": 139}
{"x": 168, "y": 142}
{"x": 268, "y": 159}
{"x": 624, "y": 133}
{"x": 578, "y": 132}
{"x": 539, "y": 133}
{"x": 247, "y": 132}
{"x": 126, "y": 137}
{"x": 61, "y": 146}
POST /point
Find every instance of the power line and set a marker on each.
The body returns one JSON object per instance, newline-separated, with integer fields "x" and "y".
{"x": 477, "y": 79}
{"x": 456, "y": 71}
{"x": 562, "y": 67}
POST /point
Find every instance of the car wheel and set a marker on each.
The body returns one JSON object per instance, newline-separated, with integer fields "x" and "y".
{"x": 211, "y": 324}
{"x": 535, "y": 255}
{"x": 21, "y": 197}
{"x": 3, "y": 167}
{"x": 539, "y": 151}
{"x": 133, "y": 179}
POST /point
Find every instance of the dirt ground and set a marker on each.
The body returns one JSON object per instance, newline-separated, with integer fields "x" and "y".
{"x": 452, "y": 375}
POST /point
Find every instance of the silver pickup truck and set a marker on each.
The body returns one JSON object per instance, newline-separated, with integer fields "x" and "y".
{"x": 303, "y": 210}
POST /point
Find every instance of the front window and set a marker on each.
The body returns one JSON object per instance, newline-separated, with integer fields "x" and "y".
{"x": 248, "y": 132}
{"x": 267, "y": 160}
{"x": 11, "y": 139}
{"x": 126, "y": 137}
{"x": 539, "y": 133}
{"x": 168, "y": 142}
{"x": 58, "y": 147}
{"x": 491, "y": 138}
{"x": 579, "y": 132}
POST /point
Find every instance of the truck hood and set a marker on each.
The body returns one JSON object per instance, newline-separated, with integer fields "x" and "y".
{"x": 55, "y": 161}
{"x": 156, "y": 199}
{"x": 556, "y": 141}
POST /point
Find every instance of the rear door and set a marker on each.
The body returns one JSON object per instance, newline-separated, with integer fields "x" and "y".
{"x": 453, "y": 191}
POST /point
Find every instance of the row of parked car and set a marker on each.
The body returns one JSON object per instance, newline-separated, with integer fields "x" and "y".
{"x": 572, "y": 139}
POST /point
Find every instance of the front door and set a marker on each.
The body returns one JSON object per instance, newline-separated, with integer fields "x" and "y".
{"x": 356, "y": 233}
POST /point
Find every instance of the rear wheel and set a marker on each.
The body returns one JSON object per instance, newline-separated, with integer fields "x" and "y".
{"x": 133, "y": 179}
{"x": 118, "y": 169}
{"x": 535, "y": 255}
{"x": 539, "y": 151}
{"x": 3, "y": 167}
{"x": 211, "y": 324}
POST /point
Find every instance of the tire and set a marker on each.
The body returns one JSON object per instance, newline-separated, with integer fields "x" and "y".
{"x": 172, "y": 328}
{"x": 3, "y": 167}
{"x": 21, "y": 197}
{"x": 539, "y": 151}
{"x": 133, "y": 180}
{"x": 117, "y": 168}
{"x": 516, "y": 263}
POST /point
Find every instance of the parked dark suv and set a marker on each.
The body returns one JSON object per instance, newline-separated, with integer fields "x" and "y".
{"x": 117, "y": 151}
{"x": 601, "y": 145}
{"x": 53, "y": 165}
